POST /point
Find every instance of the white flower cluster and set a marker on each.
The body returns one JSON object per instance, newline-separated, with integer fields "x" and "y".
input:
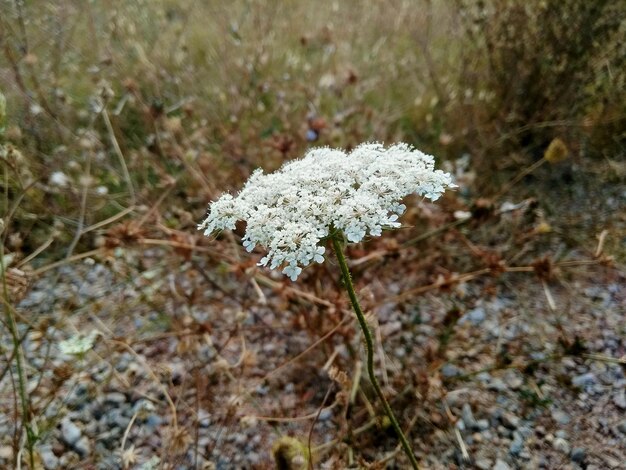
{"x": 290, "y": 211}
{"x": 79, "y": 344}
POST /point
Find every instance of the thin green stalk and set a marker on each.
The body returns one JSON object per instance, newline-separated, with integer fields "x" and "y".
{"x": 369, "y": 343}
{"x": 17, "y": 354}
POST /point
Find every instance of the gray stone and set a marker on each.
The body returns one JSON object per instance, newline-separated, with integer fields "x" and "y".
{"x": 513, "y": 380}
{"x": 569, "y": 362}
{"x": 115, "y": 398}
{"x": 561, "y": 445}
{"x": 483, "y": 464}
{"x": 122, "y": 364}
{"x": 33, "y": 299}
{"x": 538, "y": 356}
{"x": 326, "y": 414}
{"x": 110, "y": 438}
{"x": 153, "y": 421}
{"x": 254, "y": 458}
{"x": 115, "y": 417}
{"x": 509, "y": 420}
{"x": 83, "y": 447}
{"x": 560, "y": 417}
{"x": 562, "y": 434}
{"x": 70, "y": 432}
{"x": 484, "y": 377}
{"x": 49, "y": 460}
{"x": 450, "y": 370}
{"x": 78, "y": 396}
{"x": 578, "y": 454}
{"x": 584, "y": 380}
{"x": 621, "y": 427}
{"x": 501, "y": 465}
{"x": 204, "y": 418}
{"x": 91, "y": 428}
{"x": 497, "y": 384}
{"x": 475, "y": 316}
{"x": 468, "y": 417}
{"x": 483, "y": 424}
{"x": 517, "y": 445}
{"x": 619, "y": 399}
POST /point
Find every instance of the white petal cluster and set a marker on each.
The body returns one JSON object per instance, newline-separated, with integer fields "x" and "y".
{"x": 290, "y": 211}
{"x": 79, "y": 344}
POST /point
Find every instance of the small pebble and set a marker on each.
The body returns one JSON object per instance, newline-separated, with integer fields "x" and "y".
{"x": 497, "y": 384}
{"x": 482, "y": 424}
{"x": 204, "y": 418}
{"x": 619, "y": 399}
{"x": 509, "y": 420}
{"x": 153, "y": 421}
{"x": 326, "y": 414}
{"x": 517, "y": 445}
{"x": 6, "y": 452}
{"x": 83, "y": 447}
{"x": 49, "y": 460}
{"x": 483, "y": 464}
{"x": 484, "y": 377}
{"x": 450, "y": 370}
{"x": 562, "y": 434}
{"x": 568, "y": 362}
{"x": 501, "y": 465}
{"x": 578, "y": 454}
{"x": 468, "y": 417}
{"x": 513, "y": 380}
{"x": 560, "y": 417}
{"x": 561, "y": 445}
{"x": 70, "y": 432}
{"x": 115, "y": 398}
{"x": 475, "y": 316}
{"x": 584, "y": 380}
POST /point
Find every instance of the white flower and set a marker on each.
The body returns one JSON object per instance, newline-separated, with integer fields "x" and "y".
{"x": 79, "y": 344}
{"x": 58, "y": 178}
{"x": 289, "y": 212}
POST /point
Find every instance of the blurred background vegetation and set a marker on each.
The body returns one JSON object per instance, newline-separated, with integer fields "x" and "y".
{"x": 197, "y": 94}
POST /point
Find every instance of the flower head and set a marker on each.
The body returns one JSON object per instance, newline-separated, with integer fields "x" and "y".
{"x": 289, "y": 212}
{"x": 58, "y": 178}
{"x": 79, "y": 344}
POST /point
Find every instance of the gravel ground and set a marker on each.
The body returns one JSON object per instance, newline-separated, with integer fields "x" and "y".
{"x": 500, "y": 395}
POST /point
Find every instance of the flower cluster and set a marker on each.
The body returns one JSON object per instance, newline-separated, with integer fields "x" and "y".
{"x": 289, "y": 212}
{"x": 79, "y": 344}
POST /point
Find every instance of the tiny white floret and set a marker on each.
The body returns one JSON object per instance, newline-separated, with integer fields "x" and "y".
{"x": 58, "y": 178}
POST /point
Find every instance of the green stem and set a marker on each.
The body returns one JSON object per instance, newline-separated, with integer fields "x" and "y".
{"x": 347, "y": 278}
{"x": 21, "y": 380}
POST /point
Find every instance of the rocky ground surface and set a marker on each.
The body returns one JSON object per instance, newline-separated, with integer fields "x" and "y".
{"x": 179, "y": 374}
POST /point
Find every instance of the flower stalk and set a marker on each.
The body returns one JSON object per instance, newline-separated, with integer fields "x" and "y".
{"x": 17, "y": 355}
{"x": 369, "y": 346}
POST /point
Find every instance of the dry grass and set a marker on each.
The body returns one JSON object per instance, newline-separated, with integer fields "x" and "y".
{"x": 124, "y": 118}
